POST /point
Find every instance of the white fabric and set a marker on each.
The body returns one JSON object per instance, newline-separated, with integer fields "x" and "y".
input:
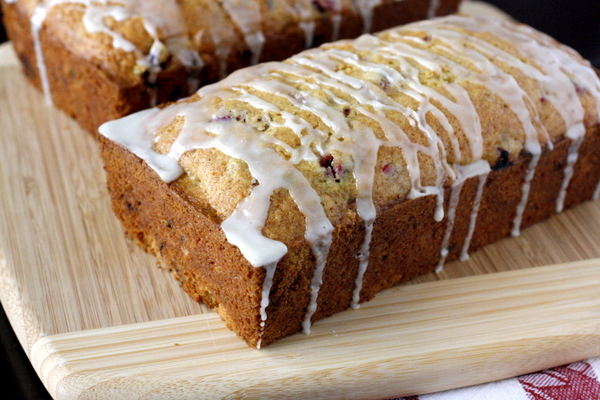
{"x": 508, "y": 389}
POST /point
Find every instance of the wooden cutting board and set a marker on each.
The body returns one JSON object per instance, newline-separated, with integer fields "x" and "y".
{"x": 99, "y": 320}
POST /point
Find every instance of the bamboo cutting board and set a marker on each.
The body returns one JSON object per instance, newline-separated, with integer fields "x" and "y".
{"x": 98, "y": 320}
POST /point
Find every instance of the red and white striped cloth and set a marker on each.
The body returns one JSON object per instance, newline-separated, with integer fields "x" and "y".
{"x": 577, "y": 381}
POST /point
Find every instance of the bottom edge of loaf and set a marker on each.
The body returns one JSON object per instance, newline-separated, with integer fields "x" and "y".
{"x": 407, "y": 240}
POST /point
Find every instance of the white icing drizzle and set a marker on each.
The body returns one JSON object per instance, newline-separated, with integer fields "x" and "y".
{"x": 247, "y": 16}
{"x": 464, "y": 255}
{"x": 139, "y": 140}
{"x": 559, "y": 89}
{"x": 180, "y": 46}
{"x": 166, "y": 16}
{"x": 374, "y": 96}
{"x": 222, "y": 53}
{"x": 364, "y": 156}
{"x": 480, "y": 168}
{"x": 317, "y": 71}
{"x": 513, "y": 94}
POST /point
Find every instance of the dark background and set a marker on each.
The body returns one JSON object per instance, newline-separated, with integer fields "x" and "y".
{"x": 573, "y": 22}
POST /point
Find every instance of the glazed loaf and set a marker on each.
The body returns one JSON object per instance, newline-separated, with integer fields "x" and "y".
{"x": 100, "y": 60}
{"x": 293, "y": 190}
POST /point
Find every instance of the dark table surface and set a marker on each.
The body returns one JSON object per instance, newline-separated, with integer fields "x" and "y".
{"x": 21, "y": 381}
{"x": 576, "y": 25}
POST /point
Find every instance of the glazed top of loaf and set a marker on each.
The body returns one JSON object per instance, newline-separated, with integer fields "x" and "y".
{"x": 356, "y": 126}
{"x": 129, "y": 38}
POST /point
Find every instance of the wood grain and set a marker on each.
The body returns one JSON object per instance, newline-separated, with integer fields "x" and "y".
{"x": 99, "y": 320}
{"x": 409, "y": 340}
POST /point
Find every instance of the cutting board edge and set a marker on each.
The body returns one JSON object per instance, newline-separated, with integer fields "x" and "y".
{"x": 70, "y": 364}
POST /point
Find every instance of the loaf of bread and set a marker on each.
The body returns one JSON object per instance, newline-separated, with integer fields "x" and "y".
{"x": 100, "y": 60}
{"x": 294, "y": 190}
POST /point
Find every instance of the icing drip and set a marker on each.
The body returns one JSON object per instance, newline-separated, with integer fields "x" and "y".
{"x": 304, "y": 10}
{"x": 454, "y": 198}
{"x": 222, "y": 53}
{"x": 188, "y": 57}
{"x": 336, "y": 18}
{"x": 264, "y": 302}
{"x": 596, "y": 195}
{"x": 464, "y": 255}
{"x": 247, "y": 16}
{"x": 365, "y": 7}
{"x": 525, "y": 189}
{"x": 433, "y": 8}
{"x": 357, "y": 77}
{"x": 309, "y": 32}
{"x": 37, "y": 20}
{"x": 139, "y": 140}
{"x": 572, "y": 157}
{"x": 336, "y": 21}
{"x": 478, "y": 169}
{"x": 364, "y": 149}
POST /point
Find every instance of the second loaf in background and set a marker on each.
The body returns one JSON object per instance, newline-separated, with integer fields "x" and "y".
{"x": 100, "y": 60}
